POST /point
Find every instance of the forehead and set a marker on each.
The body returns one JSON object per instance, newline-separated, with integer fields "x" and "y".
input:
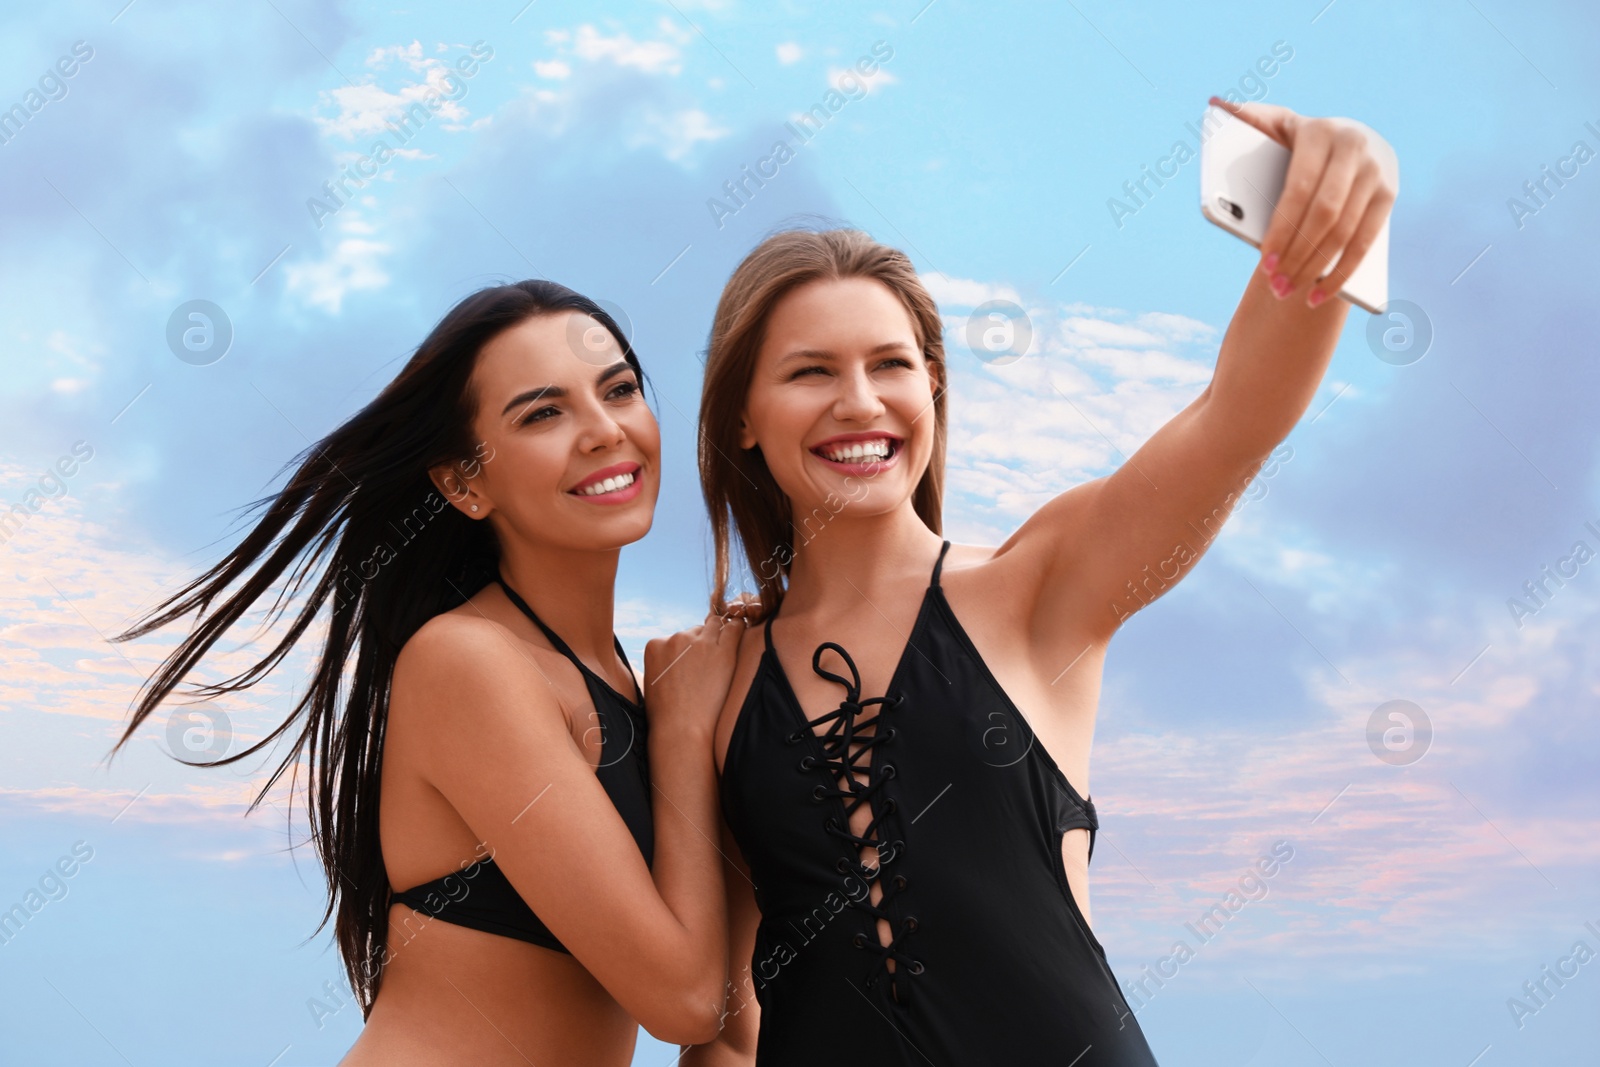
{"x": 838, "y": 314}
{"x": 555, "y": 349}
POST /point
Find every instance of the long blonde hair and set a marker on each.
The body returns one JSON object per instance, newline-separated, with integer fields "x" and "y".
{"x": 740, "y": 492}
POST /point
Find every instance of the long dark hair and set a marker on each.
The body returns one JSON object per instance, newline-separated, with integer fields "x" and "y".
{"x": 360, "y": 490}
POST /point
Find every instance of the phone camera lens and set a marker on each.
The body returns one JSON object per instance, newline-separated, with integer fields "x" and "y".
{"x": 1229, "y": 206}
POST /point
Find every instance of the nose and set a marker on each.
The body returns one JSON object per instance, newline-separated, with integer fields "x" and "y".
{"x": 599, "y": 430}
{"x": 857, "y": 400}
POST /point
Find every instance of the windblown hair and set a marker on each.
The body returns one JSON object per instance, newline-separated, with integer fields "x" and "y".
{"x": 740, "y": 492}
{"x": 349, "y": 496}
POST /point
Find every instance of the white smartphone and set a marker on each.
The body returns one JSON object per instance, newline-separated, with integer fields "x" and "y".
{"x": 1241, "y": 177}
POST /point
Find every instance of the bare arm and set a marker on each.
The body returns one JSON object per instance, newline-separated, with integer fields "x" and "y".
{"x": 735, "y": 1044}
{"x": 655, "y": 940}
{"x": 1100, "y": 551}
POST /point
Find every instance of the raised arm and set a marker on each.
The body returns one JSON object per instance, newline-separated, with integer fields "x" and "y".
{"x": 1102, "y": 550}
{"x": 501, "y": 753}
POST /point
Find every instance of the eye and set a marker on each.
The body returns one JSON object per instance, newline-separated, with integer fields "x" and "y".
{"x": 813, "y": 368}
{"x": 623, "y": 390}
{"x": 896, "y": 361}
{"x": 540, "y": 414}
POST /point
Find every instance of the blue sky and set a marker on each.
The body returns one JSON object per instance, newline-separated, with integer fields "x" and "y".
{"x": 1375, "y": 563}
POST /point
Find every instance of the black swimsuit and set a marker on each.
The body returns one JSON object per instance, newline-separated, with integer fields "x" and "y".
{"x": 480, "y": 896}
{"x": 994, "y": 962}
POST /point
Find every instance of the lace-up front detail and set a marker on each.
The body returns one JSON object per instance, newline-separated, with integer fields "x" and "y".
{"x": 847, "y": 745}
{"x": 975, "y": 950}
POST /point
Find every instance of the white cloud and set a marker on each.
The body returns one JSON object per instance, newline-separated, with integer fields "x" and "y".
{"x": 669, "y": 27}
{"x": 352, "y": 266}
{"x": 964, "y": 292}
{"x": 75, "y": 369}
{"x": 554, "y": 68}
{"x": 410, "y": 55}
{"x": 677, "y": 134}
{"x": 789, "y": 52}
{"x": 367, "y": 109}
{"x": 652, "y": 57}
{"x": 1089, "y": 391}
{"x": 850, "y": 81}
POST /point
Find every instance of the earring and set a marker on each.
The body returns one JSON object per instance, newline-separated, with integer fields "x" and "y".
{"x": 474, "y": 507}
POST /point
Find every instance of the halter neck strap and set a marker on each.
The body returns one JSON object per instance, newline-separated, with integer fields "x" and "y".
{"x": 563, "y": 648}
{"x": 933, "y": 583}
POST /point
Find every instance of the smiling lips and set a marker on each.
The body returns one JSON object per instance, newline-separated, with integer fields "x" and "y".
{"x": 616, "y": 484}
{"x": 858, "y": 453}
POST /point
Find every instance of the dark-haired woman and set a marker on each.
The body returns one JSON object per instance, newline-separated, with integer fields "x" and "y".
{"x": 503, "y": 888}
{"x": 918, "y": 846}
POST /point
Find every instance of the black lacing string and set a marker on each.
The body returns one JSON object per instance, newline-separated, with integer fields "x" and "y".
{"x": 844, "y": 746}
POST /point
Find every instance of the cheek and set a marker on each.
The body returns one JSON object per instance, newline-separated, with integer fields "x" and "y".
{"x": 780, "y": 422}
{"x": 913, "y": 405}
{"x": 645, "y": 433}
{"x": 528, "y": 465}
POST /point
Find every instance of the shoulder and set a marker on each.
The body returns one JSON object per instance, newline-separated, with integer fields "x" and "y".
{"x": 452, "y": 646}
{"x": 458, "y": 659}
{"x": 751, "y": 649}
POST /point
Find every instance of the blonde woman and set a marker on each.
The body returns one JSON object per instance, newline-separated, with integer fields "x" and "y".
{"x": 910, "y": 850}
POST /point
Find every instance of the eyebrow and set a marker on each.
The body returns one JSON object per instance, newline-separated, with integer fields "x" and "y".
{"x": 555, "y": 392}
{"x": 824, "y": 354}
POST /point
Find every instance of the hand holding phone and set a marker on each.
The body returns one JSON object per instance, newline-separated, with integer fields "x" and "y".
{"x": 1313, "y": 194}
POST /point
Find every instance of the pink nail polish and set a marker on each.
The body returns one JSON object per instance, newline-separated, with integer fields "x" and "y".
{"x": 1270, "y": 264}
{"x": 1280, "y": 285}
{"x": 1317, "y": 296}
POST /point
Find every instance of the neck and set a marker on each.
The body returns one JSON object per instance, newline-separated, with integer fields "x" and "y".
{"x": 573, "y": 591}
{"x": 859, "y": 556}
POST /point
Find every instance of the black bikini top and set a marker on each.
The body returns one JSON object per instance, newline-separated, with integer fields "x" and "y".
{"x": 479, "y": 895}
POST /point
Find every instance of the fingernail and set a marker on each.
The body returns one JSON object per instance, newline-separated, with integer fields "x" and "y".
{"x": 1280, "y": 285}
{"x": 1270, "y": 263}
{"x": 1317, "y": 296}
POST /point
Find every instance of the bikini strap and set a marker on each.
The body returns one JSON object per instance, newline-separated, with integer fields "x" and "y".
{"x": 938, "y": 566}
{"x": 555, "y": 638}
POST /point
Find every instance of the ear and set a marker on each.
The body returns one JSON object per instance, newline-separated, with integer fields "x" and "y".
{"x": 747, "y": 439}
{"x": 465, "y": 497}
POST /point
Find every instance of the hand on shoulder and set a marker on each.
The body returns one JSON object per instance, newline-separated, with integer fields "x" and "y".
{"x": 686, "y": 675}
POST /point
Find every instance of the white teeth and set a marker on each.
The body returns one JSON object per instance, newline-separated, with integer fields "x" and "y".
{"x": 874, "y": 449}
{"x": 610, "y": 485}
